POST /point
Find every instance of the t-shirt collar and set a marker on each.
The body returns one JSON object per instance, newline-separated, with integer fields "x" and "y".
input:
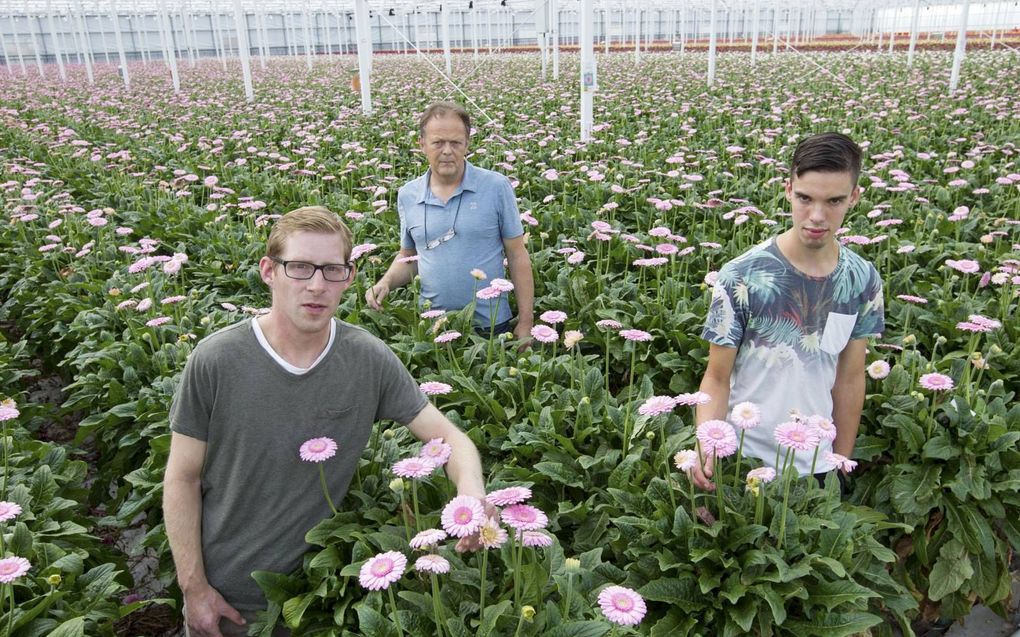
{"x": 469, "y": 182}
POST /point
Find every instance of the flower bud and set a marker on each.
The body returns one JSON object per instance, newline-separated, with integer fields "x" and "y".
{"x": 649, "y": 435}
{"x": 528, "y": 613}
{"x": 54, "y": 580}
{"x": 572, "y": 564}
{"x": 397, "y": 485}
{"x": 512, "y": 371}
{"x": 995, "y": 349}
{"x": 388, "y": 434}
{"x": 585, "y": 400}
{"x": 909, "y": 339}
{"x": 114, "y": 292}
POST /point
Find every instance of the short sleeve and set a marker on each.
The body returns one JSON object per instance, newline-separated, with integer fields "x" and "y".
{"x": 871, "y": 316}
{"x": 400, "y": 398}
{"x": 191, "y": 407}
{"x": 725, "y": 322}
{"x": 509, "y": 214}
{"x": 406, "y": 241}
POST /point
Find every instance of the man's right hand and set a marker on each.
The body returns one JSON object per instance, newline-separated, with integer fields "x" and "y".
{"x": 375, "y": 295}
{"x": 203, "y": 610}
{"x": 701, "y": 474}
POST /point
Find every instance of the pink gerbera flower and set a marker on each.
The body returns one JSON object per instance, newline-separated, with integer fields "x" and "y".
{"x": 382, "y": 570}
{"x": 746, "y": 415}
{"x": 8, "y": 410}
{"x": 431, "y": 314}
{"x": 508, "y": 496}
{"x": 491, "y": 535}
{"x": 622, "y": 605}
{"x": 636, "y": 335}
{"x": 718, "y": 437}
{"x": 436, "y": 564}
{"x": 318, "y": 449}
{"x": 446, "y": 337}
{"x": 9, "y": 511}
{"x": 936, "y": 382}
{"x": 534, "y": 539}
{"x": 414, "y": 468}
{"x": 762, "y": 474}
{"x": 544, "y": 334}
{"x": 984, "y": 321}
{"x": 11, "y": 568}
{"x": 691, "y": 400}
{"x": 967, "y": 266}
{"x": 487, "y": 293}
{"x": 796, "y": 435}
{"x": 657, "y": 406}
{"x": 909, "y": 298}
{"x": 434, "y": 388}
{"x": 685, "y": 459}
{"x": 502, "y": 285}
{"x": 824, "y": 427}
{"x": 840, "y": 462}
{"x": 462, "y": 516}
{"x": 428, "y": 538}
{"x": 553, "y": 317}
{"x": 156, "y": 322}
{"x": 878, "y": 369}
{"x": 524, "y": 517}
{"x": 608, "y": 324}
{"x": 437, "y": 451}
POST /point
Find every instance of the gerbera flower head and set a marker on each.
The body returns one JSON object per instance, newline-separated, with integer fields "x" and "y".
{"x": 685, "y": 459}
{"x": 824, "y": 427}
{"x": 524, "y": 517}
{"x": 462, "y": 516}
{"x": 636, "y": 335}
{"x": 694, "y": 399}
{"x": 432, "y": 314}
{"x": 534, "y": 539}
{"x": 878, "y": 369}
{"x": 622, "y": 605}
{"x": 428, "y": 538}
{"x": 572, "y": 338}
{"x": 762, "y": 474}
{"x": 508, "y": 496}
{"x": 9, "y": 511}
{"x": 487, "y": 293}
{"x": 318, "y": 449}
{"x": 544, "y": 334}
{"x": 988, "y": 323}
{"x": 434, "y": 388}
{"x": 491, "y": 535}
{"x": 746, "y": 415}
{"x": 446, "y": 337}
{"x": 553, "y": 317}
{"x": 437, "y": 451}
{"x": 436, "y": 564}
{"x": 8, "y": 410}
{"x": 796, "y": 435}
{"x": 382, "y": 570}
{"x": 657, "y": 406}
{"x": 717, "y": 437}
{"x": 414, "y": 468}
{"x": 936, "y": 382}
{"x": 502, "y": 285}
{"x": 11, "y": 568}
{"x": 608, "y": 324}
{"x": 841, "y": 462}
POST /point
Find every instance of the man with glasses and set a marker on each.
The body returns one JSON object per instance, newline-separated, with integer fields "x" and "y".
{"x": 455, "y": 219}
{"x": 237, "y": 495}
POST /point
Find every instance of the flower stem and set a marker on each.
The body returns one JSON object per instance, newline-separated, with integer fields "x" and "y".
{"x": 481, "y": 585}
{"x": 626, "y": 417}
{"x": 396, "y": 617}
{"x": 740, "y": 454}
{"x": 787, "y": 467}
{"x": 325, "y": 489}
{"x": 437, "y": 607}
{"x": 566, "y": 598}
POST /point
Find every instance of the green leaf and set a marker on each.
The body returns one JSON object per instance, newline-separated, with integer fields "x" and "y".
{"x": 834, "y": 625}
{"x": 579, "y": 629}
{"x": 491, "y": 615}
{"x": 912, "y": 490}
{"x": 295, "y": 607}
{"x": 773, "y": 599}
{"x": 371, "y": 622}
{"x": 951, "y": 570}
{"x": 71, "y": 628}
{"x": 834, "y": 593}
{"x": 940, "y": 448}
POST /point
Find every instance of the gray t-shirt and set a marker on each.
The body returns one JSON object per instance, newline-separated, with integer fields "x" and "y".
{"x": 790, "y": 329}
{"x": 258, "y": 497}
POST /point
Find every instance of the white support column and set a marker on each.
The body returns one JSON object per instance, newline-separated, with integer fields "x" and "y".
{"x": 221, "y": 53}
{"x": 444, "y": 11}
{"x": 260, "y": 27}
{"x": 308, "y": 38}
{"x": 35, "y": 45}
{"x": 83, "y": 38}
{"x": 637, "y": 36}
{"x": 189, "y": 34}
{"x": 554, "y": 32}
{"x": 683, "y": 30}
{"x": 244, "y": 49}
{"x": 364, "y": 38}
{"x": 606, "y": 24}
{"x": 341, "y": 28}
{"x": 775, "y": 30}
{"x": 142, "y": 39}
{"x": 21, "y": 55}
{"x": 171, "y": 48}
{"x": 711, "y": 44}
{"x": 417, "y": 33}
{"x": 961, "y": 46}
{"x": 120, "y": 44}
{"x": 754, "y": 33}
{"x": 56, "y": 43}
{"x": 7, "y": 59}
{"x": 589, "y": 81}
{"x": 474, "y": 29}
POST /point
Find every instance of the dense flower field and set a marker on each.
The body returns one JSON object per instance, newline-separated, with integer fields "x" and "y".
{"x": 131, "y": 229}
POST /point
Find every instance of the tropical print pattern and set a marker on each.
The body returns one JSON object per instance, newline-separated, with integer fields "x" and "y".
{"x": 789, "y": 329}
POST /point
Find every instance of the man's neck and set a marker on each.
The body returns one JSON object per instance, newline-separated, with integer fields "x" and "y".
{"x": 444, "y": 188}
{"x": 817, "y": 263}
{"x": 297, "y": 348}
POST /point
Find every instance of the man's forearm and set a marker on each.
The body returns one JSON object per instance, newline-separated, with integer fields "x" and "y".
{"x": 847, "y": 404}
{"x": 715, "y": 409}
{"x": 524, "y": 288}
{"x": 399, "y": 273}
{"x": 182, "y": 510}
{"x": 465, "y": 467}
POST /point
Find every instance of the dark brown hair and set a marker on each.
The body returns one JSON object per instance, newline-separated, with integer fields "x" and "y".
{"x": 442, "y": 109}
{"x": 827, "y": 153}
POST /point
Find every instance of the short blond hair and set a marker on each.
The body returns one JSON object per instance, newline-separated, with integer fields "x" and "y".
{"x": 308, "y": 219}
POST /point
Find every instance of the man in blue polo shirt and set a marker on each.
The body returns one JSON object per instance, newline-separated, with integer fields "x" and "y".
{"x": 456, "y": 219}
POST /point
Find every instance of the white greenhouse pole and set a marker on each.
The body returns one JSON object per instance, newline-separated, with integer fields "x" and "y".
{"x": 683, "y": 30}
{"x": 407, "y": 29}
{"x": 588, "y": 68}
{"x": 171, "y": 48}
{"x": 260, "y": 27}
{"x": 308, "y": 39}
{"x": 21, "y": 55}
{"x": 364, "y": 54}
{"x": 606, "y": 22}
{"x": 488, "y": 30}
{"x": 243, "y": 49}
{"x": 35, "y": 47}
{"x": 711, "y": 44}
{"x": 218, "y": 40}
{"x": 554, "y": 33}
{"x": 189, "y": 36}
{"x": 474, "y": 29}
{"x": 961, "y": 46}
{"x": 143, "y": 46}
{"x": 754, "y": 33}
{"x": 445, "y": 16}
{"x": 7, "y": 59}
{"x": 775, "y": 30}
{"x": 542, "y": 33}
{"x": 85, "y": 46}
{"x": 417, "y": 34}
{"x": 637, "y": 36}
{"x": 56, "y": 43}
{"x": 120, "y": 44}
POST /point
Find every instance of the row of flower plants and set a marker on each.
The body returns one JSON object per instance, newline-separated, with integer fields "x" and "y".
{"x": 132, "y": 227}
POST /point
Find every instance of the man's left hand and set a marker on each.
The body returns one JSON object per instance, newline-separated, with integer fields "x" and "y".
{"x": 522, "y": 332}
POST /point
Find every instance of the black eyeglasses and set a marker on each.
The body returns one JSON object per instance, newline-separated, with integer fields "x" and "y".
{"x": 302, "y": 270}
{"x": 449, "y": 234}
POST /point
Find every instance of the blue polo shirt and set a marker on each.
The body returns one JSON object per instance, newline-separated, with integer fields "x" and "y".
{"x": 487, "y": 215}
